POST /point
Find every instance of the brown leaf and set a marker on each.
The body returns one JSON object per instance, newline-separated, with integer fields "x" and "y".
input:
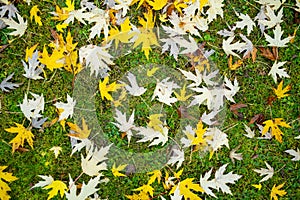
{"x": 234, "y": 108}
{"x": 270, "y": 100}
{"x": 266, "y": 52}
{"x": 259, "y": 118}
{"x": 253, "y": 53}
{"x": 22, "y": 150}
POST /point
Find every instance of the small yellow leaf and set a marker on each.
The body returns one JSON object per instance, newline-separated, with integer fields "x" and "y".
{"x": 70, "y": 5}
{"x": 23, "y": 134}
{"x": 60, "y": 27}
{"x": 156, "y": 174}
{"x": 115, "y": 170}
{"x": 105, "y": 88}
{"x": 146, "y": 189}
{"x": 235, "y": 65}
{"x": 56, "y": 186}
{"x": 258, "y": 186}
{"x": 34, "y": 14}
{"x": 276, "y": 191}
{"x": 181, "y": 96}
{"x": 151, "y": 72}
{"x": 280, "y": 93}
{"x": 78, "y": 132}
{"x": 155, "y": 122}
{"x": 29, "y": 52}
{"x": 157, "y": 4}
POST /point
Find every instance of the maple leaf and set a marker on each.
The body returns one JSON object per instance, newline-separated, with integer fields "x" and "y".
{"x": 233, "y": 155}
{"x": 268, "y": 173}
{"x": 155, "y": 122}
{"x": 105, "y": 88}
{"x": 276, "y": 191}
{"x": 229, "y": 48}
{"x": 97, "y": 58}
{"x": 86, "y": 189}
{"x": 199, "y": 133}
{"x": 56, "y": 186}
{"x": 246, "y": 22}
{"x": 151, "y": 72}
{"x": 124, "y": 125}
{"x": 122, "y": 5}
{"x": 185, "y": 188}
{"x": 277, "y": 71}
{"x": 9, "y": 8}
{"x": 121, "y": 36}
{"x": 30, "y": 51}
{"x": 47, "y": 180}
{"x": 216, "y": 139}
{"x": 156, "y": 175}
{"x": 149, "y": 134}
{"x": 157, "y": 4}
{"x": 197, "y": 79}
{"x": 77, "y": 131}
{"x": 250, "y": 133}
{"x": 274, "y": 20}
{"x": 5, "y": 177}
{"x": 34, "y": 15}
{"x": 56, "y": 150}
{"x": 274, "y": 3}
{"x": 145, "y": 34}
{"x": 280, "y": 93}
{"x": 134, "y": 88}
{"x": 90, "y": 165}
{"x": 235, "y": 65}
{"x": 54, "y": 61}
{"x": 177, "y": 157}
{"x": 258, "y": 186}
{"x": 182, "y": 96}
{"x": 6, "y": 86}
{"x": 33, "y": 69}
{"x": 23, "y": 134}
{"x": 20, "y": 27}
{"x": 146, "y": 189}
{"x": 31, "y": 108}
{"x": 80, "y": 15}
{"x": 277, "y": 42}
{"x": 164, "y": 90}
{"x": 275, "y": 131}
{"x": 116, "y": 170}
{"x": 294, "y": 153}
{"x": 67, "y": 109}
{"x": 101, "y": 19}
{"x": 214, "y": 10}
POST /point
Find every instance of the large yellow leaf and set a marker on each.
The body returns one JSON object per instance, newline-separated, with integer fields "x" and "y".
{"x": 276, "y": 191}
{"x": 54, "y": 61}
{"x": 4, "y": 188}
{"x": 105, "y": 88}
{"x": 156, "y": 174}
{"x": 275, "y": 131}
{"x": 23, "y": 134}
{"x": 120, "y": 36}
{"x": 185, "y": 188}
{"x": 56, "y": 186}
{"x": 34, "y": 15}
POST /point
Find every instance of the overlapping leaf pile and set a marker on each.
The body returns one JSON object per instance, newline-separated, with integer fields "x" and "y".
{"x": 182, "y": 22}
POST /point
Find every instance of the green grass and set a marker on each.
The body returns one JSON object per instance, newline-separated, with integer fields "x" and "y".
{"x": 255, "y": 88}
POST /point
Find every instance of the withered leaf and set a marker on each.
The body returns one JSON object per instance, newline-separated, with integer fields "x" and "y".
{"x": 266, "y": 52}
{"x": 235, "y": 107}
{"x": 259, "y": 119}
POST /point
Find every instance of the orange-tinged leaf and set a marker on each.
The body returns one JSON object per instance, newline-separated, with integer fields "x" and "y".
{"x": 56, "y": 186}
{"x": 5, "y": 177}
{"x": 78, "y": 132}
{"x": 54, "y": 61}
{"x": 157, "y": 4}
{"x": 280, "y": 93}
{"x": 23, "y": 134}
{"x": 235, "y": 65}
{"x": 29, "y": 52}
{"x": 277, "y": 191}
{"x": 105, "y": 88}
{"x": 275, "y": 131}
{"x": 34, "y": 15}
{"x": 116, "y": 170}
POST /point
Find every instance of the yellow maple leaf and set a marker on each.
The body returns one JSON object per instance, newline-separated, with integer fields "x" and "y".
{"x": 156, "y": 174}
{"x": 69, "y": 43}
{"x": 60, "y": 14}
{"x": 185, "y": 188}
{"x": 202, "y": 4}
{"x": 60, "y": 27}
{"x": 146, "y": 36}
{"x": 116, "y": 170}
{"x": 120, "y": 36}
{"x": 23, "y": 134}
{"x": 70, "y": 5}
{"x": 54, "y": 61}
{"x": 280, "y": 93}
{"x": 78, "y": 132}
{"x": 56, "y": 186}
{"x": 179, "y": 4}
{"x": 155, "y": 122}
{"x": 121, "y": 98}
{"x": 141, "y": 196}
{"x": 71, "y": 63}
{"x": 235, "y": 65}
{"x": 151, "y": 72}
{"x": 182, "y": 96}
{"x": 105, "y": 88}
{"x": 146, "y": 189}
{"x": 29, "y": 52}
{"x": 140, "y": 3}
{"x": 34, "y": 14}
{"x": 275, "y": 131}
{"x": 5, "y": 177}
{"x": 276, "y": 191}
{"x": 258, "y": 186}
{"x": 157, "y": 4}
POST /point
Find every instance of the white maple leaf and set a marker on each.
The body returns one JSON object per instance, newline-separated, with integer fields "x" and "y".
{"x": 68, "y": 108}
{"x": 277, "y": 71}
{"x": 124, "y": 125}
{"x": 190, "y": 45}
{"x": 93, "y": 163}
{"x": 233, "y": 155}
{"x": 231, "y": 89}
{"x": 176, "y": 195}
{"x": 298, "y": 137}
{"x": 188, "y": 131}
{"x": 185, "y": 23}
{"x": 205, "y": 96}
{"x": 10, "y": 9}
{"x": 268, "y": 173}
{"x": 101, "y": 19}
{"x": 31, "y": 108}
{"x": 207, "y": 184}
{"x": 229, "y": 48}
{"x": 250, "y": 133}
{"x": 246, "y": 22}
{"x": 164, "y": 90}
{"x": 227, "y": 33}
{"x": 134, "y": 89}
{"x": 149, "y": 134}
{"x": 222, "y": 179}
{"x": 208, "y": 76}
{"x": 6, "y": 86}
{"x": 87, "y": 5}
{"x": 216, "y": 138}
{"x": 96, "y": 58}
{"x": 197, "y": 79}
{"x": 276, "y": 41}
{"x": 80, "y": 15}
{"x": 261, "y": 16}
{"x": 33, "y": 69}
{"x": 86, "y": 189}
{"x": 248, "y": 48}
{"x": 123, "y": 5}
{"x": 267, "y": 135}
{"x": 170, "y": 44}
{"x": 215, "y": 9}
{"x": 274, "y": 3}
{"x": 209, "y": 118}
{"x": 77, "y": 146}
{"x": 20, "y": 27}
{"x": 294, "y": 153}
{"x": 177, "y": 158}
{"x": 273, "y": 19}
{"x": 47, "y": 181}
{"x": 297, "y": 8}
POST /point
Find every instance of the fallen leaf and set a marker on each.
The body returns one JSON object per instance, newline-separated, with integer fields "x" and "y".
{"x": 276, "y": 191}
{"x": 259, "y": 118}
{"x": 235, "y": 107}
{"x": 266, "y": 52}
